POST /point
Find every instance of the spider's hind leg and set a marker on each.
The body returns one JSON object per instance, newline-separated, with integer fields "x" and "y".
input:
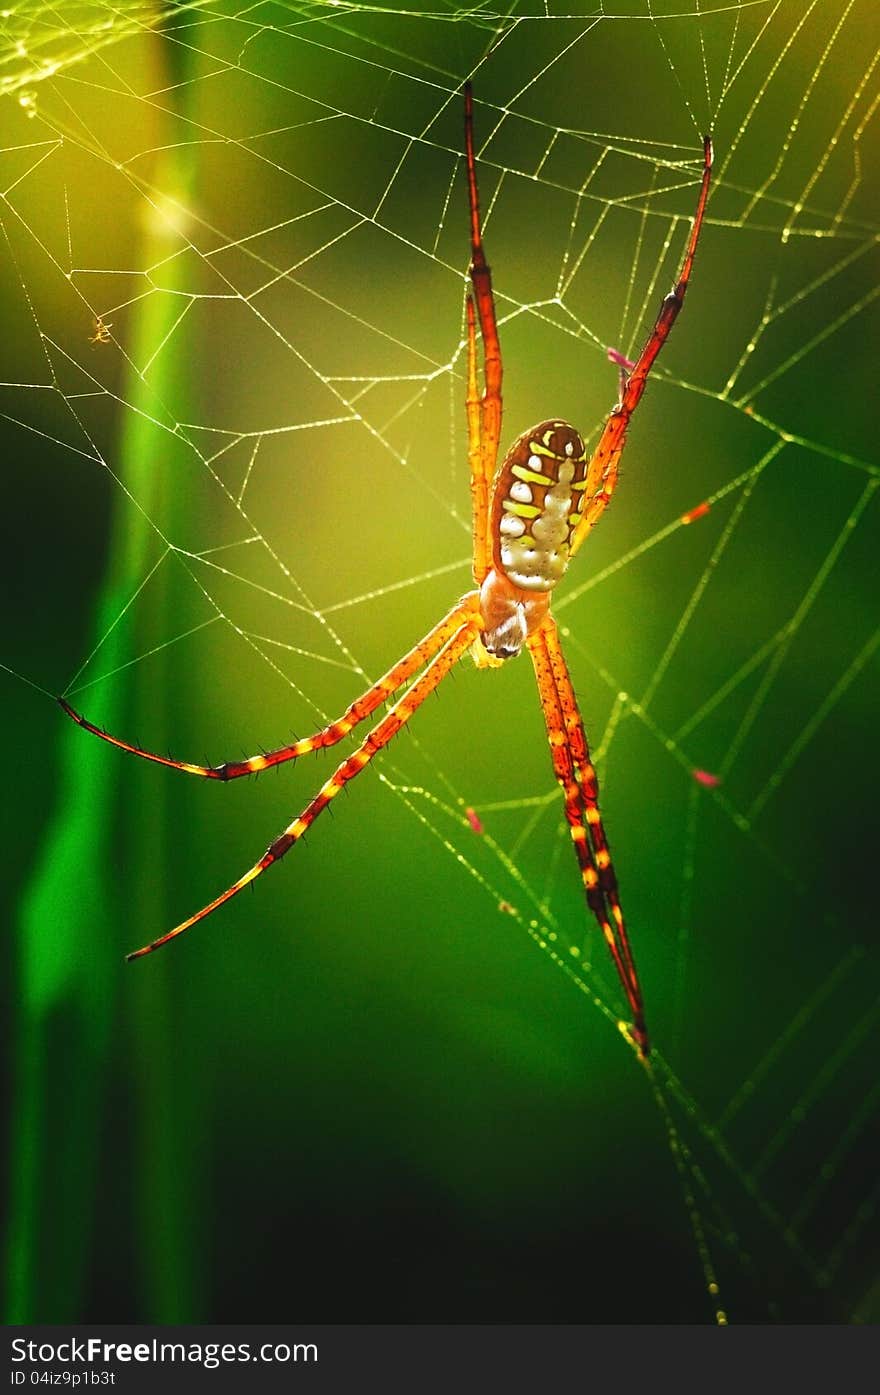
{"x": 357, "y": 712}
{"x": 576, "y": 775}
{"x": 465, "y": 623}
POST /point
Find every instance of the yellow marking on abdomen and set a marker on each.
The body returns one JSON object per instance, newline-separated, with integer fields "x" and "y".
{"x": 522, "y": 472}
{"x": 521, "y": 510}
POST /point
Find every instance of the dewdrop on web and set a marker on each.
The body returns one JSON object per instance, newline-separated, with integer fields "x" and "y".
{"x": 699, "y": 512}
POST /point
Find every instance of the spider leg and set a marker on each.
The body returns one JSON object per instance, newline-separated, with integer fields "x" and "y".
{"x": 479, "y": 483}
{"x": 603, "y": 468}
{"x": 575, "y": 773}
{"x": 456, "y": 645}
{"x": 483, "y": 411}
{"x": 356, "y": 712}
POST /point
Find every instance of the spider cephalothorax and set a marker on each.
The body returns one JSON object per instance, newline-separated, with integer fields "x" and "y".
{"x": 529, "y": 519}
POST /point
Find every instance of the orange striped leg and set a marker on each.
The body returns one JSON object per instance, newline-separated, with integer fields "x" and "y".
{"x": 589, "y": 783}
{"x": 464, "y": 635}
{"x": 357, "y": 712}
{"x": 479, "y": 483}
{"x": 577, "y": 777}
{"x": 604, "y": 465}
{"x": 482, "y": 445}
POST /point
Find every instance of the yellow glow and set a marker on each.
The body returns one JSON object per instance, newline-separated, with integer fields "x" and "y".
{"x": 166, "y": 217}
{"x": 248, "y": 877}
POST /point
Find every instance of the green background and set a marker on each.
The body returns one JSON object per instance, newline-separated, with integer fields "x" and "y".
{"x": 363, "y": 1092}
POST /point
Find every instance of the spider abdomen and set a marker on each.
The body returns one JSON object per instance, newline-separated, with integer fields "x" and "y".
{"x": 537, "y": 501}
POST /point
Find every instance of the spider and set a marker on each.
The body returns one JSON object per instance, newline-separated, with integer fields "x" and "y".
{"x": 530, "y": 516}
{"x": 101, "y": 332}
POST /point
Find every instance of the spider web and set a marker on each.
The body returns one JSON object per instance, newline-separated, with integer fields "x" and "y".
{"x": 235, "y": 267}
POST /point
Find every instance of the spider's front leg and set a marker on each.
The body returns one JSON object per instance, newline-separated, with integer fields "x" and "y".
{"x": 604, "y": 465}
{"x": 484, "y": 408}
